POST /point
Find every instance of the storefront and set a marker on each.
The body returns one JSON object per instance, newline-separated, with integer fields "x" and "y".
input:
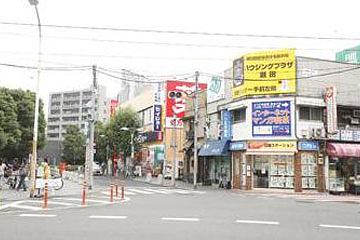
{"x": 238, "y": 149}
{"x": 270, "y": 164}
{"x": 214, "y": 162}
{"x": 344, "y": 167}
{"x": 309, "y": 165}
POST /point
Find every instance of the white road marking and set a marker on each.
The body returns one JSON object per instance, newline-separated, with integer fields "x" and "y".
{"x": 157, "y": 190}
{"x": 181, "y": 191}
{"x": 79, "y": 199}
{"x": 37, "y": 215}
{"x": 26, "y": 207}
{"x": 126, "y": 193}
{"x": 107, "y": 217}
{"x": 180, "y": 219}
{"x": 257, "y": 222}
{"x": 339, "y": 226}
{"x": 139, "y": 191}
{"x": 5, "y": 206}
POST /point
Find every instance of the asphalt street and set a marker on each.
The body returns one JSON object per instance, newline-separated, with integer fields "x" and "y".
{"x": 171, "y": 214}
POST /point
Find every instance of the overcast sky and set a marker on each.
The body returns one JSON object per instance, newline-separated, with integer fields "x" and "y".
{"x": 74, "y": 47}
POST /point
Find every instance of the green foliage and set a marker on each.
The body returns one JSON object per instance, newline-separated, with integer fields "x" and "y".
{"x": 114, "y": 137}
{"x": 17, "y": 122}
{"x": 74, "y": 145}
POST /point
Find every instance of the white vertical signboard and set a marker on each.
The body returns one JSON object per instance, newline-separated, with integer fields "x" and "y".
{"x": 331, "y": 109}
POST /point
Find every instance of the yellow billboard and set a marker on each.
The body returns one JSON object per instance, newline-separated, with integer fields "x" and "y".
{"x": 264, "y": 73}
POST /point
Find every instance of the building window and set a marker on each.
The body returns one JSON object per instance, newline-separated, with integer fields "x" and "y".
{"x": 311, "y": 113}
{"x": 239, "y": 115}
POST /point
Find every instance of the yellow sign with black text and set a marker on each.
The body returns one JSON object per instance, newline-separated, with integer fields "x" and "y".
{"x": 265, "y": 73}
{"x": 272, "y": 146}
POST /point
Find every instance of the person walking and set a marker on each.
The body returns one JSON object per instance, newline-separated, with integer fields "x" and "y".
{"x": 2, "y": 173}
{"x": 22, "y": 175}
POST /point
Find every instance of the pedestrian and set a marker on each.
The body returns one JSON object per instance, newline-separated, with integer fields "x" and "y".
{"x": 2, "y": 173}
{"x": 22, "y": 175}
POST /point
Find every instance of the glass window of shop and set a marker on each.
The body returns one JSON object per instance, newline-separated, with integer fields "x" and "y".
{"x": 308, "y": 170}
{"x": 273, "y": 171}
{"x": 219, "y": 169}
{"x": 344, "y": 174}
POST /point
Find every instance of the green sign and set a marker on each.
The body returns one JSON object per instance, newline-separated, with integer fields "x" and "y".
{"x": 351, "y": 55}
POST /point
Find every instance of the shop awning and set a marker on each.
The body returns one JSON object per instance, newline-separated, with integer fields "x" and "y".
{"x": 343, "y": 150}
{"x": 215, "y": 148}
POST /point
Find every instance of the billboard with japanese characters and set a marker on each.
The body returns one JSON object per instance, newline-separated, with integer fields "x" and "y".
{"x": 216, "y": 90}
{"x": 265, "y": 73}
{"x": 176, "y": 94}
{"x": 271, "y": 119}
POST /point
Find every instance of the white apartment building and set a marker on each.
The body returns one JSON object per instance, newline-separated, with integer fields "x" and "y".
{"x": 74, "y": 108}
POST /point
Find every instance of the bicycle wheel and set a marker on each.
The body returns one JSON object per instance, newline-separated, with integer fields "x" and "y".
{"x": 59, "y": 184}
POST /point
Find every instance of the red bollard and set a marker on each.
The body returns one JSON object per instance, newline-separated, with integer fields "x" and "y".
{"x": 122, "y": 192}
{"x": 83, "y": 202}
{"x": 46, "y": 195}
{"x": 116, "y": 191}
{"x": 111, "y": 193}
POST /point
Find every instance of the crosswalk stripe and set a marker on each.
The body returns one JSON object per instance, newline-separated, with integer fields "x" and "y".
{"x": 157, "y": 190}
{"x": 180, "y": 191}
{"x": 139, "y": 191}
{"x": 79, "y": 199}
{"x": 125, "y": 193}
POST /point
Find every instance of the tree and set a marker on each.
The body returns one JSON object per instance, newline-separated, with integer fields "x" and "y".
{"x": 102, "y": 142}
{"x": 119, "y": 140}
{"x": 10, "y": 133}
{"x": 74, "y": 145}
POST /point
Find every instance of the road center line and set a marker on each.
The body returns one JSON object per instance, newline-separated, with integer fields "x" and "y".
{"x": 257, "y": 222}
{"x": 180, "y": 219}
{"x": 37, "y": 215}
{"x": 339, "y": 226}
{"x": 107, "y": 217}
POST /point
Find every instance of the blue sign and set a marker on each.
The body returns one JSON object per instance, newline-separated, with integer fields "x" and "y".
{"x": 308, "y": 145}
{"x": 226, "y": 125}
{"x": 271, "y": 119}
{"x": 157, "y": 118}
{"x": 235, "y": 146}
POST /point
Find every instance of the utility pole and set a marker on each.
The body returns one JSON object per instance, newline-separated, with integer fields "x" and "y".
{"x": 195, "y": 127}
{"x": 90, "y": 158}
{"x": 174, "y": 145}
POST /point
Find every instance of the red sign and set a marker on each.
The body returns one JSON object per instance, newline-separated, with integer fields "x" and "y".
{"x": 176, "y": 94}
{"x": 113, "y": 105}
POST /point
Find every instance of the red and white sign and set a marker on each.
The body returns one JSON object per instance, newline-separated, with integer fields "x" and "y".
{"x": 331, "y": 109}
{"x": 176, "y": 94}
{"x": 113, "y": 105}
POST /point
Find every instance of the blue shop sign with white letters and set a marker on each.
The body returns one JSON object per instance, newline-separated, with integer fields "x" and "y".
{"x": 308, "y": 145}
{"x": 235, "y": 146}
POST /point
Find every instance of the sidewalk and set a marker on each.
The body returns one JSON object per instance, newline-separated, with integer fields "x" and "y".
{"x": 178, "y": 184}
{"x": 69, "y": 188}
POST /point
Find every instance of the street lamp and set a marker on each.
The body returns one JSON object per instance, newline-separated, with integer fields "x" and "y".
{"x": 36, "y": 114}
{"x": 132, "y": 142}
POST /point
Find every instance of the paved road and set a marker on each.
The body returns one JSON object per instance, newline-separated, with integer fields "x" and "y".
{"x": 210, "y": 215}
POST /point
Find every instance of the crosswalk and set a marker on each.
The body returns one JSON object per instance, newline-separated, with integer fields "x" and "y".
{"x": 132, "y": 191}
{"x": 97, "y": 198}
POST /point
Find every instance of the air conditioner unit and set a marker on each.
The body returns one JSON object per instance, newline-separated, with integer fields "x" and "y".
{"x": 317, "y": 132}
{"x": 356, "y": 113}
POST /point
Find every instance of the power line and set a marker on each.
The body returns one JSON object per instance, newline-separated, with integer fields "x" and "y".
{"x": 80, "y": 68}
{"x": 137, "y": 30}
{"x": 171, "y": 43}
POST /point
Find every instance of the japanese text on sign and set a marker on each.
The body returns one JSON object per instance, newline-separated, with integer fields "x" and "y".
{"x": 271, "y": 118}
{"x": 266, "y": 73}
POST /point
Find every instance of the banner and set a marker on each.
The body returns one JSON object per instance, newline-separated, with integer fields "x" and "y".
{"x": 272, "y": 146}
{"x": 113, "y": 105}
{"x": 331, "y": 109}
{"x": 265, "y": 73}
{"x": 216, "y": 90}
{"x": 176, "y": 94}
{"x": 226, "y": 125}
{"x": 271, "y": 119}
{"x": 157, "y": 118}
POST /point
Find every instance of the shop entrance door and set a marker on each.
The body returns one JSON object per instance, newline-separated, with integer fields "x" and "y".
{"x": 261, "y": 172}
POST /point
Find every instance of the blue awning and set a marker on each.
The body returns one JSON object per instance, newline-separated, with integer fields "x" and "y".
{"x": 215, "y": 148}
